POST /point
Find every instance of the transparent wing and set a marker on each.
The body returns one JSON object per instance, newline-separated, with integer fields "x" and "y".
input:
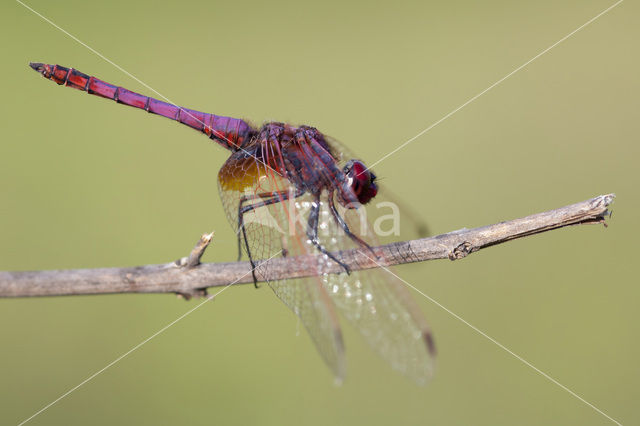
{"x": 380, "y": 307}
{"x": 309, "y": 300}
{"x": 279, "y": 229}
{"x": 376, "y": 303}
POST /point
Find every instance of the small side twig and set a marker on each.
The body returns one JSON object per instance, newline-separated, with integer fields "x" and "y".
{"x": 193, "y": 260}
{"x": 171, "y": 278}
{"x": 194, "y": 257}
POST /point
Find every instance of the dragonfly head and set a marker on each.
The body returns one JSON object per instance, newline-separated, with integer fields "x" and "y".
{"x": 360, "y": 181}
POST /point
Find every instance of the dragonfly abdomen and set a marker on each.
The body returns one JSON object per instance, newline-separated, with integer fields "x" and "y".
{"x": 229, "y": 132}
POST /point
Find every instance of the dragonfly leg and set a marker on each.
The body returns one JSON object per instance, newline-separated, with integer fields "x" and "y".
{"x": 244, "y": 199}
{"x": 267, "y": 199}
{"x": 241, "y": 212}
{"x": 345, "y": 227}
{"x": 312, "y": 233}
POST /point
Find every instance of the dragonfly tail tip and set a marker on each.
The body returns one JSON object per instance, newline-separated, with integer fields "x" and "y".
{"x": 37, "y": 66}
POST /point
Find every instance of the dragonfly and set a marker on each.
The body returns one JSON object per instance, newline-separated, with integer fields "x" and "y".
{"x": 292, "y": 190}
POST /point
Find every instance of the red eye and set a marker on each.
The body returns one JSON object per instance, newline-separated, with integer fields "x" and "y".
{"x": 359, "y": 169}
{"x": 362, "y": 181}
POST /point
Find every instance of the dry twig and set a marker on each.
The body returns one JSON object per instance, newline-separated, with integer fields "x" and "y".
{"x": 187, "y": 277}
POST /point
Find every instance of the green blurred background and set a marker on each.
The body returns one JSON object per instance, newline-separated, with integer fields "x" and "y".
{"x": 87, "y": 183}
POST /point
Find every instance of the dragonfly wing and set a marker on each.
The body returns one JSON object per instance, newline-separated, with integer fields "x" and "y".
{"x": 309, "y": 300}
{"x": 373, "y": 301}
{"x": 279, "y": 229}
{"x": 380, "y": 307}
{"x": 382, "y": 311}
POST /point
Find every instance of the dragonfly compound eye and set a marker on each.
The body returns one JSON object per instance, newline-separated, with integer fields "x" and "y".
{"x": 361, "y": 181}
